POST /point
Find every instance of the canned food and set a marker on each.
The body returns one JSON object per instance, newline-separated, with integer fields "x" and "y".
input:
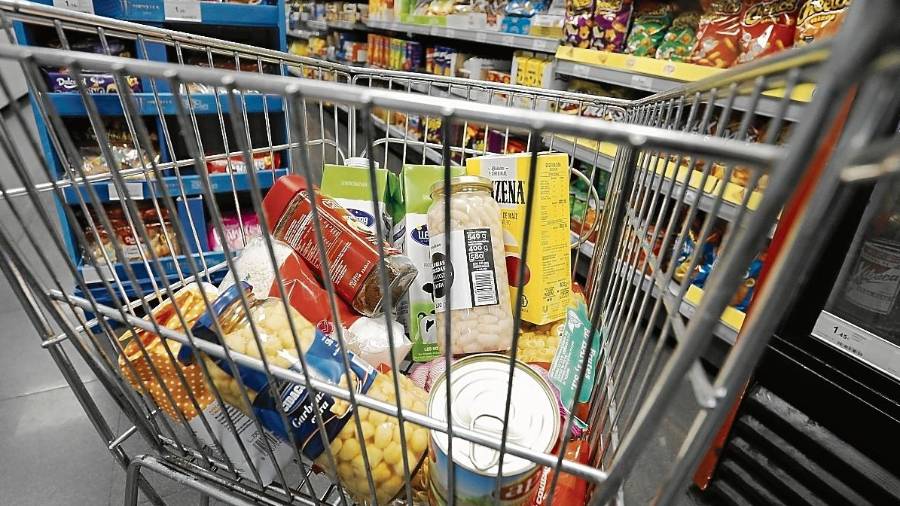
{"x": 478, "y": 395}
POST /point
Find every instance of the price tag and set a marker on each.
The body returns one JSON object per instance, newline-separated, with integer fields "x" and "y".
{"x": 450, "y": 33}
{"x": 182, "y": 10}
{"x": 859, "y": 343}
{"x": 86, "y": 6}
{"x": 581, "y": 70}
{"x": 541, "y": 45}
{"x": 135, "y": 191}
{"x": 642, "y": 82}
{"x": 508, "y": 40}
{"x": 480, "y": 37}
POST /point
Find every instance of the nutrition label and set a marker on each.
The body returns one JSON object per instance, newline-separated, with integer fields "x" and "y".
{"x": 469, "y": 275}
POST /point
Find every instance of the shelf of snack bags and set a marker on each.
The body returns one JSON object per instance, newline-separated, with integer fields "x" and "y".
{"x": 654, "y": 46}
{"x": 586, "y": 150}
{"x": 523, "y": 25}
{"x": 398, "y": 129}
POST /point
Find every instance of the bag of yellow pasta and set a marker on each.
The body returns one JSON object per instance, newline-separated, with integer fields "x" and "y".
{"x": 266, "y": 332}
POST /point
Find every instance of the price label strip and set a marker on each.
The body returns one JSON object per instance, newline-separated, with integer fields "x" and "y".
{"x": 85, "y": 6}
{"x": 858, "y": 342}
{"x": 135, "y": 191}
{"x": 182, "y": 10}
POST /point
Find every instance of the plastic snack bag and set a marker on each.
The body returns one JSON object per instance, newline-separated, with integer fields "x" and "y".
{"x": 718, "y": 34}
{"x": 611, "y": 18}
{"x": 648, "y": 29}
{"x": 817, "y": 18}
{"x": 767, "y": 28}
{"x": 680, "y": 39}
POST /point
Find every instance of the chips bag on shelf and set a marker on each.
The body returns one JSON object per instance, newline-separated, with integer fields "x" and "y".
{"x": 610, "y": 24}
{"x": 819, "y": 18}
{"x": 680, "y": 39}
{"x": 648, "y": 29}
{"x": 718, "y": 34}
{"x": 577, "y": 30}
{"x": 767, "y": 27}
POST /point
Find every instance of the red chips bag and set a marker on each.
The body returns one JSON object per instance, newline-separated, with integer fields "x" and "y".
{"x": 718, "y": 34}
{"x": 767, "y": 27}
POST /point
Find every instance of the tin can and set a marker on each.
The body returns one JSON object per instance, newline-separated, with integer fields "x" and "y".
{"x": 478, "y": 394}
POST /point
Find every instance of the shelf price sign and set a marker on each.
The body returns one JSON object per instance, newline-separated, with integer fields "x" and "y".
{"x": 858, "y": 342}
{"x": 182, "y": 10}
{"x": 86, "y": 6}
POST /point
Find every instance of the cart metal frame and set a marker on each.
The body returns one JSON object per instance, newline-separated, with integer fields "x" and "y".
{"x": 650, "y": 209}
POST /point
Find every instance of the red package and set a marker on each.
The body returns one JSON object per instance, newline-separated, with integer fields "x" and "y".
{"x": 767, "y": 27}
{"x": 570, "y": 490}
{"x": 261, "y": 161}
{"x": 719, "y": 33}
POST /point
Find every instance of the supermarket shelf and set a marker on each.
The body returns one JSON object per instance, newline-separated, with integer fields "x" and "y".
{"x": 302, "y": 34}
{"x": 527, "y": 42}
{"x": 317, "y": 24}
{"x": 586, "y": 248}
{"x": 138, "y": 190}
{"x": 397, "y": 133}
{"x": 650, "y": 74}
{"x": 729, "y": 324}
{"x": 211, "y": 13}
{"x": 728, "y": 211}
{"x": 346, "y": 25}
{"x": 70, "y": 104}
{"x": 584, "y": 150}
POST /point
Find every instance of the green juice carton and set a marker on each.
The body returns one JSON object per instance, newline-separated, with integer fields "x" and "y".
{"x": 350, "y": 186}
{"x": 411, "y": 237}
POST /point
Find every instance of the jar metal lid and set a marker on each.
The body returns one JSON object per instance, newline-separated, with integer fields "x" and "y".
{"x": 458, "y": 183}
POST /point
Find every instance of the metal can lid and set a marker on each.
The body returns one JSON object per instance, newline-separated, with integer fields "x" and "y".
{"x": 478, "y": 393}
{"x": 458, "y": 183}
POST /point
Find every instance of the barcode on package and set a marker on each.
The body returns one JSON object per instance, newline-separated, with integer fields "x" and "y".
{"x": 480, "y": 260}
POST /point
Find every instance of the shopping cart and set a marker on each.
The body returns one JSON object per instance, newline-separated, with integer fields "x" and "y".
{"x": 88, "y": 281}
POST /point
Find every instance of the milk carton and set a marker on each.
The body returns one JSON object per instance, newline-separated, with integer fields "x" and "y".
{"x": 546, "y": 281}
{"x": 411, "y": 237}
{"x": 350, "y": 186}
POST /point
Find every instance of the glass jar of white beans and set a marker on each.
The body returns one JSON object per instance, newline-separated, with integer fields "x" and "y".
{"x": 270, "y": 335}
{"x": 474, "y": 275}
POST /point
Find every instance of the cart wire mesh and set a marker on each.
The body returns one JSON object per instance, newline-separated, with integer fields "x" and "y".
{"x": 96, "y": 251}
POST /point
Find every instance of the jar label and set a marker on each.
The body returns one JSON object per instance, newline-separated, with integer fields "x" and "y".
{"x": 875, "y": 281}
{"x": 469, "y": 275}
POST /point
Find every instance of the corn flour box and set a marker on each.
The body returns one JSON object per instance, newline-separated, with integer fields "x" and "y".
{"x": 546, "y": 282}
{"x": 350, "y": 186}
{"x": 411, "y": 237}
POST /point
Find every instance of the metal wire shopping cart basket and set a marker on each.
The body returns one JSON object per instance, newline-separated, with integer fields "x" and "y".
{"x": 124, "y": 244}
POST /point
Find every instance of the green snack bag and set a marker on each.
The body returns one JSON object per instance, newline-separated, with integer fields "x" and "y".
{"x": 411, "y": 237}
{"x": 648, "y": 30}
{"x": 349, "y": 186}
{"x": 572, "y": 351}
{"x": 679, "y": 41}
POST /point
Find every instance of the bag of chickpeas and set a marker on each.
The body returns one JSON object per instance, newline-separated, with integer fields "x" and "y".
{"x": 265, "y": 333}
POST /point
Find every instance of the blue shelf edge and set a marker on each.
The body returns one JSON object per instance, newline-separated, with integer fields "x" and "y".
{"x": 211, "y": 13}
{"x": 70, "y": 104}
{"x": 139, "y": 189}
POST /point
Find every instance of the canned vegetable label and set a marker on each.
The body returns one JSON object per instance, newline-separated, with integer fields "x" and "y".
{"x": 478, "y": 401}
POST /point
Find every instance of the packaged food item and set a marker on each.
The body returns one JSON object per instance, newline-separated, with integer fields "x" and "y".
{"x": 238, "y": 231}
{"x": 381, "y": 433}
{"x": 59, "y": 81}
{"x": 648, "y": 28}
{"x": 366, "y": 337}
{"x": 572, "y": 353}
{"x": 349, "y": 245}
{"x": 349, "y": 186}
{"x": 160, "y": 232}
{"x": 538, "y": 343}
{"x": 818, "y": 17}
{"x": 680, "y": 39}
{"x": 425, "y": 375}
{"x": 261, "y": 161}
{"x": 611, "y": 18}
{"x": 767, "y": 27}
{"x": 476, "y": 404}
{"x": 545, "y": 284}
{"x": 411, "y": 237}
{"x": 471, "y": 286}
{"x": 144, "y": 368}
{"x": 577, "y": 29}
{"x": 576, "y": 6}
{"x": 125, "y": 155}
{"x": 719, "y": 33}
{"x": 570, "y": 490}
{"x": 744, "y": 295}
